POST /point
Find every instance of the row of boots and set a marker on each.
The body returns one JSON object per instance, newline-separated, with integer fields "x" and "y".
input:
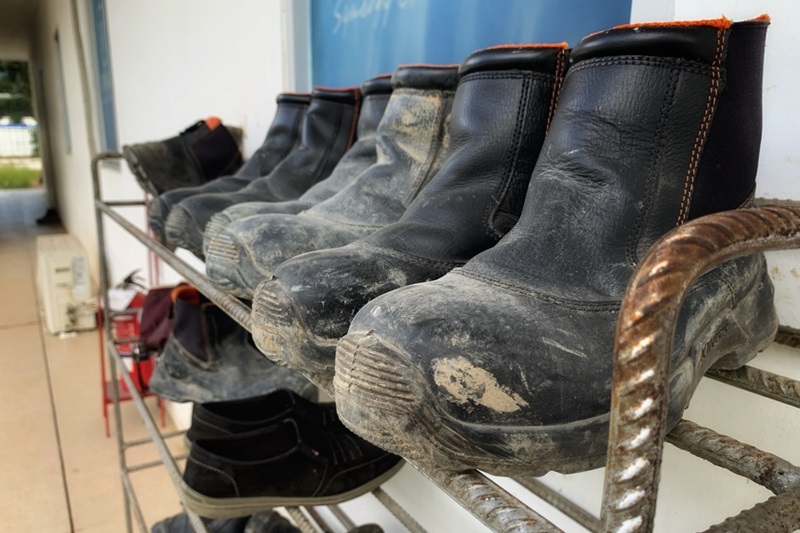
{"x": 455, "y": 280}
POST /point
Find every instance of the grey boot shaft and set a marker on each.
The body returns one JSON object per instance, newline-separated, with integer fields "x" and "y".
{"x": 376, "y": 93}
{"x": 412, "y": 139}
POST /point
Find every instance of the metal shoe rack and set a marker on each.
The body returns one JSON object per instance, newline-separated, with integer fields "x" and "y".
{"x": 639, "y": 396}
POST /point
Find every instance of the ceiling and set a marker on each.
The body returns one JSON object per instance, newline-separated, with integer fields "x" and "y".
{"x": 16, "y": 18}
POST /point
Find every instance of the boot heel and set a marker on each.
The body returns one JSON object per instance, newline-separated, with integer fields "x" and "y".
{"x": 753, "y": 323}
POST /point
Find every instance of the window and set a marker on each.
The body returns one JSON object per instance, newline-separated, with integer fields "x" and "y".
{"x": 104, "y": 87}
{"x": 62, "y": 95}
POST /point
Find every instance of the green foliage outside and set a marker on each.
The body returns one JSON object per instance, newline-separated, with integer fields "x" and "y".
{"x": 18, "y": 178}
{"x": 15, "y": 90}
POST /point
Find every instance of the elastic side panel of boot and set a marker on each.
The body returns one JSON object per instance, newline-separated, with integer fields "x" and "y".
{"x": 282, "y": 137}
{"x": 727, "y": 171}
{"x": 217, "y": 153}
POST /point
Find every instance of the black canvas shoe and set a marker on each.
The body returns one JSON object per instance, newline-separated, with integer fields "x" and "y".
{"x": 283, "y": 135}
{"x": 505, "y": 100}
{"x": 287, "y": 464}
{"x": 219, "y": 419}
{"x": 203, "y": 151}
{"x": 209, "y": 357}
{"x": 505, "y": 363}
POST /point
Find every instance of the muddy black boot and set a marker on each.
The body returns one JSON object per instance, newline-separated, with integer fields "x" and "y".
{"x": 362, "y": 155}
{"x": 505, "y": 100}
{"x": 411, "y": 142}
{"x": 505, "y": 364}
{"x": 282, "y": 137}
{"x": 203, "y": 151}
{"x": 209, "y": 357}
{"x": 328, "y": 131}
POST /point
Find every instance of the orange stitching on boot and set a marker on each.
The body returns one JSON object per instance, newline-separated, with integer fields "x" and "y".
{"x": 722, "y": 23}
{"x": 532, "y": 46}
{"x": 705, "y": 126}
{"x": 557, "y": 83}
{"x": 354, "y": 125}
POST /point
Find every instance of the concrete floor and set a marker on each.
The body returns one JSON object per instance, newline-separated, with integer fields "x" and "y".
{"x": 58, "y": 471}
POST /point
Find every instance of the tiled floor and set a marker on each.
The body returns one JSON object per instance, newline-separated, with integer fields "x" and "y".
{"x": 58, "y": 471}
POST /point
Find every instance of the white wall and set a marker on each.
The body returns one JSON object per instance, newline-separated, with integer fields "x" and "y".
{"x": 780, "y": 160}
{"x": 173, "y": 63}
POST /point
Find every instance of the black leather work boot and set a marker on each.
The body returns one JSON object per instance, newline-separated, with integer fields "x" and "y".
{"x": 411, "y": 142}
{"x": 328, "y": 131}
{"x": 359, "y": 157}
{"x": 203, "y": 151}
{"x": 505, "y": 363}
{"x": 505, "y": 100}
{"x": 209, "y": 357}
{"x": 282, "y": 137}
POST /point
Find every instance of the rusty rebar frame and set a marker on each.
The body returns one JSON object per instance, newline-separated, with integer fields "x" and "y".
{"x": 642, "y": 351}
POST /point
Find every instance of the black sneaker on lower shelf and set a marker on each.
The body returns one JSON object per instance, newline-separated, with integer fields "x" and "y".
{"x": 220, "y": 419}
{"x": 286, "y": 464}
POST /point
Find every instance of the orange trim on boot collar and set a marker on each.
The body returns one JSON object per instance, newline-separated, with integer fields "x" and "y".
{"x": 563, "y": 45}
{"x": 213, "y": 122}
{"x": 186, "y": 293}
{"x": 722, "y": 23}
{"x": 764, "y": 17}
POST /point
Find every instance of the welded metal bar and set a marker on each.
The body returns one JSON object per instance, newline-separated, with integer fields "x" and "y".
{"x": 161, "y": 447}
{"x": 316, "y": 517}
{"x": 148, "y": 440}
{"x": 236, "y": 309}
{"x": 124, "y": 312}
{"x": 104, "y": 286}
{"x": 301, "y": 520}
{"x": 125, "y": 203}
{"x": 789, "y": 336}
{"x": 560, "y": 502}
{"x": 125, "y": 340}
{"x": 342, "y": 517}
{"x": 761, "y": 382}
{"x": 398, "y": 511}
{"x": 643, "y": 347}
{"x": 137, "y": 509}
{"x": 766, "y": 469}
{"x": 488, "y": 502}
{"x": 157, "y": 462}
{"x": 779, "y": 514}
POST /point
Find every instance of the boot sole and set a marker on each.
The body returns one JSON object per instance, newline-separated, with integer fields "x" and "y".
{"x": 175, "y": 230}
{"x": 380, "y": 396}
{"x": 233, "y": 507}
{"x": 223, "y": 268}
{"x": 138, "y": 170}
{"x": 282, "y": 336}
{"x": 215, "y": 226}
